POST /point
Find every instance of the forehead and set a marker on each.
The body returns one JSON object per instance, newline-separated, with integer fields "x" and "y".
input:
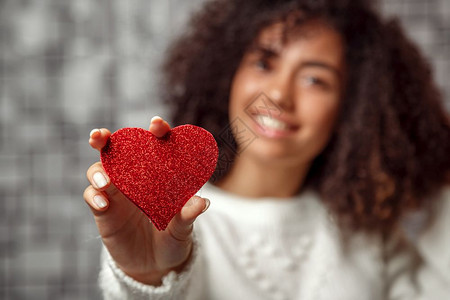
{"x": 314, "y": 39}
{"x": 313, "y": 33}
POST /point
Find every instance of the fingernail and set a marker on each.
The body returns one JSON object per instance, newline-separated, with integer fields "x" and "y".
{"x": 94, "y": 131}
{"x": 207, "y": 203}
{"x": 99, "y": 201}
{"x": 191, "y": 201}
{"x": 156, "y": 118}
{"x": 99, "y": 180}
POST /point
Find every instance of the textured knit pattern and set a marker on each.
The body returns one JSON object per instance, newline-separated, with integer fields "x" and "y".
{"x": 282, "y": 249}
{"x": 116, "y": 285}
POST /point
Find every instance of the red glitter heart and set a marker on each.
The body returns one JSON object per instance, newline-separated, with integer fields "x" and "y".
{"x": 159, "y": 175}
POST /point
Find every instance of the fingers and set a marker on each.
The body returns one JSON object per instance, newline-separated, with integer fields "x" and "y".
{"x": 98, "y": 177}
{"x": 96, "y": 200}
{"x": 159, "y": 127}
{"x": 193, "y": 208}
{"x": 93, "y": 195}
{"x": 100, "y": 180}
{"x": 98, "y": 138}
{"x": 181, "y": 225}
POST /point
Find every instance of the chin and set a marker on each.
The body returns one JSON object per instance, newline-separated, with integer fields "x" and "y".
{"x": 283, "y": 153}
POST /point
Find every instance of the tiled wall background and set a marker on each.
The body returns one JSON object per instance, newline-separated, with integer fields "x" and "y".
{"x": 69, "y": 66}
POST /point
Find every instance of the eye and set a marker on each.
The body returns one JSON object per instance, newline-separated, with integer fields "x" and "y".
{"x": 262, "y": 64}
{"x": 315, "y": 81}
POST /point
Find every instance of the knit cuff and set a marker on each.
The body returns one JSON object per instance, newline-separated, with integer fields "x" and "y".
{"x": 115, "y": 284}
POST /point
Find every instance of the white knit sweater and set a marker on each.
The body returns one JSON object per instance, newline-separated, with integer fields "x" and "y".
{"x": 280, "y": 249}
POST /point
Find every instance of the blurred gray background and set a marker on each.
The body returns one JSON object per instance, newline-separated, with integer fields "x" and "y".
{"x": 68, "y": 66}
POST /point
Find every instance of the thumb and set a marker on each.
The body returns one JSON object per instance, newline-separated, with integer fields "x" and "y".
{"x": 181, "y": 225}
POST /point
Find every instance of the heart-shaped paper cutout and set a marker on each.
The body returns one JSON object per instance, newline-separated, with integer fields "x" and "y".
{"x": 159, "y": 175}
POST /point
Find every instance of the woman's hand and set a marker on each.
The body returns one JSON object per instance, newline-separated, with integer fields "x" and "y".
{"x": 137, "y": 247}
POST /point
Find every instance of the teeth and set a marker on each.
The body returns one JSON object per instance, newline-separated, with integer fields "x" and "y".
{"x": 271, "y": 123}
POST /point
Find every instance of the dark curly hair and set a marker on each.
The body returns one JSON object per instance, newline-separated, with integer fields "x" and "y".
{"x": 390, "y": 152}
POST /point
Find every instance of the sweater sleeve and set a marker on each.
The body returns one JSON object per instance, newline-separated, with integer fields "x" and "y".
{"x": 115, "y": 284}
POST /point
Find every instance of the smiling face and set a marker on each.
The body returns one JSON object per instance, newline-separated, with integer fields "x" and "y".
{"x": 288, "y": 94}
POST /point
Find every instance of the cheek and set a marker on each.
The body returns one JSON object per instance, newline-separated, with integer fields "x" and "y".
{"x": 319, "y": 115}
{"x": 243, "y": 88}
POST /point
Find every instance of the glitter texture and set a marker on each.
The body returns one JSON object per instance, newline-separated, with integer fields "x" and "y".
{"x": 159, "y": 175}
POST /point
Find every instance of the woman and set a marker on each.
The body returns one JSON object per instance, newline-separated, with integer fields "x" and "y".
{"x": 337, "y": 131}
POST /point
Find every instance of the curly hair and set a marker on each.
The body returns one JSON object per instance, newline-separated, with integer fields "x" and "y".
{"x": 390, "y": 149}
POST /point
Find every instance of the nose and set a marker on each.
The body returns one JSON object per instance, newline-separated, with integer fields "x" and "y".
{"x": 281, "y": 92}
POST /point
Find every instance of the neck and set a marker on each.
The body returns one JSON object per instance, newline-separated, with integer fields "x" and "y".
{"x": 254, "y": 179}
